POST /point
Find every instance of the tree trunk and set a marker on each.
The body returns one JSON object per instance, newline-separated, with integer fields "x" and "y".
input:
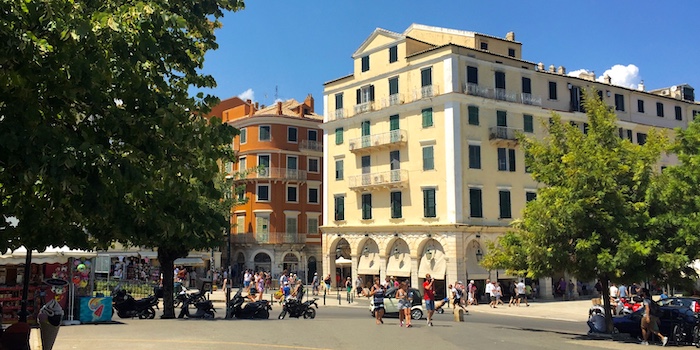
{"x": 166, "y": 268}
{"x": 606, "y": 303}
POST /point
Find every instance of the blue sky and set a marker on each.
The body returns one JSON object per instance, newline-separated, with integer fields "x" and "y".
{"x": 289, "y": 49}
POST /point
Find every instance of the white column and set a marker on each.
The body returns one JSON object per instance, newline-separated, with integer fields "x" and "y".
{"x": 414, "y": 274}
{"x": 382, "y": 268}
{"x": 546, "y": 288}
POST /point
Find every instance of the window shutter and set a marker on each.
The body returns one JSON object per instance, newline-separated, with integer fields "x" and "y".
{"x": 359, "y": 96}
{"x": 511, "y": 159}
{"x": 371, "y": 92}
{"x": 502, "y": 163}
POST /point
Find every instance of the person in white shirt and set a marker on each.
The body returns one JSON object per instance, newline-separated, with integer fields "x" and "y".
{"x": 246, "y": 279}
{"x": 493, "y": 292}
{"x": 520, "y": 290}
{"x": 614, "y": 292}
{"x": 488, "y": 288}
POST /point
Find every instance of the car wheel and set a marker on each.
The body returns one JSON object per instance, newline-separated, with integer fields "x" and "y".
{"x": 416, "y": 314}
{"x": 678, "y": 336}
{"x": 696, "y": 336}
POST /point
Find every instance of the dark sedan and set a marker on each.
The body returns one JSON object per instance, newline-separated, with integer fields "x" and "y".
{"x": 680, "y": 324}
{"x": 692, "y": 303}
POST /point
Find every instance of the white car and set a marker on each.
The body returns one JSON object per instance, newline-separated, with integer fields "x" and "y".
{"x": 391, "y": 305}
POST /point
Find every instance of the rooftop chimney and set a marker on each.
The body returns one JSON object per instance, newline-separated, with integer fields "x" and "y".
{"x": 309, "y": 101}
{"x": 607, "y": 79}
{"x": 510, "y": 36}
{"x": 256, "y": 105}
{"x": 251, "y": 110}
{"x": 590, "y": 76}
{"x": 551, "y": 68}
{"x": 640, "y": 87}
{"x": 279, "y": 108}
{"x": 540, "y": 67}
{"x": 561, "y": 70}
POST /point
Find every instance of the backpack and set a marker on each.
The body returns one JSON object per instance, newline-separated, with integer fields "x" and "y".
{"x": 654, "y": 309}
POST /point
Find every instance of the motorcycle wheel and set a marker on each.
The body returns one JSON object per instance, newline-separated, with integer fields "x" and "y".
{"x": 177, "y": 303}
{"x": 147, "y": 314}
{"x": 310, "y": 313}
{"x": 263, "y": 314}
{"x": 209, "y": 315}
{"x": 282, "y": 315}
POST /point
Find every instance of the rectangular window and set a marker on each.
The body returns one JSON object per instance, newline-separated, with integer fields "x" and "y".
{"x": 365, "y": 94}
{"x": 428, "y": 158}
{"x": 621, "y": 132}
{"x": 292, "y": 163}
{"x": 367, "y": 206}
{"x": 264, "y": 161}
{"x": 395, "y": 205}
{"x": 640, "y": 106}
{"x": 629, "y": 135}
{"x": 504, "y": 204}
{"x": 474, "y": 157}
{"x": 585, "y": 128}
{"x": 292, "y": 134}
{"x": 339, "y": 169}
{"x": 262, "y": 224}
{"x": 229, "y": 167}
{"x": 475, "y": 205}
{"x": 472, "y": 75}
{"x": 313, "y": 165}
{"x": 619, "y": 102}
{"x": 393, "y": 54}
{"x": 473, "y": 115}
{"x": 426, "y": 77}
{"x": 292, "y": 194}
{"x": 506, "y": 159}
{"x": 427, "y": 117}
{"x": 242, "y": 166}
{"x": 264, "y": 134}
{"x": 500, "y": 81}
{"x": 339, "y": 208}
{"x": 429, "y": 210}
{"x": 659, "y": 109}
{"x": 312, "y": 226}
{"x": 313, "y": 135}
{"x": 511, "y": 52}
{"x": 527, "y": 85}
{"x": 552, "y": 90}
{"x": 528, "y": 125}
{"x": 679, "y": 113}
{"x": 365, "y": 63}
{"x": 339, "y": 101}
{"x": 339, "y": 136}
{"x": 393, "y": 87}
{"x": 641, "y": 138}
{"x": 291, "y": 225}
{"x": 393, "y": 123}
{"x": 240, "y": 224}
{"x": 244, "y": 135}
{"x": 530, "y": 196}
{"x": 313, "y": 195}
{"x": 511, "y": 160}
{"x": 263, "y": 193}
{"x": 695, "y": 113}
{"x": 484, "y": 46}
{"x": 501, "y": 118}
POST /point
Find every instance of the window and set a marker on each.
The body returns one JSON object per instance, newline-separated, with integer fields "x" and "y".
{"x": 339, "y": 101}
{"x": 339, "y": 207}
{"x": 428, "y": 159}
{"x": 395, "y": 205}
{"x": 484, "y": 46}
{"x": 292, "y": 134}
{"x": 659, "y": 109}
{"x": 393, "y": 54}
{"x": 629, "y": 135}
{"x": 291, "y": 225}
{"x": 365, "y": 94}
{"x": 426, "y": 77}
{"x": 264, "y": 161}
{"x": 679, "y": 113}
{"x": 313, "y": 195}
{"x": 263, "y": 192}
{"x": 339, "y": 136}
{"x": 472, "y": 75}
{"x": 264, "y": 134}
{"x": 528, "y": 126}
{"x": 367, "y": 206}
{"x": 501, "y": 118}
{"x": 393, "y": 123}
{"x": 243, "y": 135}
{"x": 339, "y": 169}
{"x": 619, "y": 102}
{"x": 262, "y": 223}
{"x": 292, "y": 166}
{"x": 365, "y": 63}
{"x": 292, "y": 194}
{"x": 393, "y": 89}
{"x": 500, "y": 81}
{"x": 585, "y": 128}
{"x": 427, "y": 117}
{"x": 429, "y": 203}
{"x": 312, "y": 226}
{"x": 640, "y": 106}
{"x": 473, "y": 115}
{"x": 695, "y": 113}
{"x": 313, "y": 135}
{"x": 229, "y": 167}
{"x": 240, "y": 223}
{"x": 504, "y": 204}
{"x": 641, "y": 138}
{"x": 552, "y": 90}
{"x": 475, "y": 205}
{"x": 530, "y": 196}
{"x": 527, "y": 85}
{"x": 511, "y": 52}
{"x": 313, "y": 165}
{"x": 474, "y": 157}
{"x": 506, "y": 159}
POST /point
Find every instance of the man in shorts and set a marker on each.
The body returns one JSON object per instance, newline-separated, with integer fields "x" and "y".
{"x": 650, "y": 323}
{"x": 429, "y": 297}
{"x": 520, "y": 289}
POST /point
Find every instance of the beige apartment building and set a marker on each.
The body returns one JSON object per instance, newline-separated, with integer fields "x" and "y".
{"x": 422, "y": 165}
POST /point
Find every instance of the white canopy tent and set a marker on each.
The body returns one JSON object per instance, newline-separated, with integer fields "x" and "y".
{"x": 52, "y": 255}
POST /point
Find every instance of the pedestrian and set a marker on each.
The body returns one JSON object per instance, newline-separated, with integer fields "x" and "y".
{"x": 358, "y": 285}
{"x": 457, "y": 295}
{"x": 599, "y": 288}
{"x": 260, "y": 285}
{"x": 650, "y": 321}
{"x": 561, "y": 288}
{"x": 614, "y": 293}
{"x": 314, "y": 284}
{"x": 513, "y": 295}
{"x": 520, "y": 289}
{"x": 570, "y": 290}
{"x": 622, "y": 290}
{"x": 429, "y": 297}
{"x": 488, "y": 289}
{"x": 495, "y": 294}
{"x": 247, "y": 277}
{"x": 404, "y": 305}
{"x": 348, "y": 286}
{"x": 327, "y": 282}
{"x": 377, "y": 293}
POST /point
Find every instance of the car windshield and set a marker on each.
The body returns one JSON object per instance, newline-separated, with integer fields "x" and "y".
{"x": 687, "y": 302}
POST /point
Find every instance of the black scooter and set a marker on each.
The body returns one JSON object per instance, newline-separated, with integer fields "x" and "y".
{"x": 253, "y": 310}
{"x": 205, "y": 309}
{"x": 128, "y": 307}
{"x": 295, "y": 308}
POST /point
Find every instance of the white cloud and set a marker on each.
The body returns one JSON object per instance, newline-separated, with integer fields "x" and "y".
{"x": 247, "y": 95}
{"x": 627, "y": 76}
{"x": 577, "y": 72}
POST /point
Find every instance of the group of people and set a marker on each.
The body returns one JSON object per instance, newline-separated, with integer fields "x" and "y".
{"x": 317, "y": 286}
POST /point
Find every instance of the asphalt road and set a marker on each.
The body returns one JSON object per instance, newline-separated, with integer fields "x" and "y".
{"x": 335, "y": 328}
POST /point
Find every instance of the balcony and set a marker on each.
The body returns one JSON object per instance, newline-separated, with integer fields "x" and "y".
{"x": 268, "y": 238}
{"x": 364, "y": 107}
{"x": 337, "y": 114}
{"x": 425, "y": 92}
{"x": 392, "y": 100}
{"x": 381, "y": 180}
{"x": 502, "y": 135}
{"x": 311, "y": 146}
{"x": 502, "y": 95}
{"x": 277, "y": 174}
{"x": 389, "y": 140}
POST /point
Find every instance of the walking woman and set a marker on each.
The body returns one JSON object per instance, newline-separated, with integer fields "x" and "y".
{"x": 377, "y": 292}
{"x": 404, "y": 305}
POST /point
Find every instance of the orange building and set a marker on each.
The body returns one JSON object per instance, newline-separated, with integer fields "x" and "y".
{"x": 280, "y": 165}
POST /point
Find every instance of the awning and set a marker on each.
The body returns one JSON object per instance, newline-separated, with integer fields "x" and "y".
{"x": 148, "y": 254}
{"x": 52, "y": 255}
{"x": 116, "y": 254}
{"x": 400, "y": 266}
{"x": 189, "y": 261}
{"x": 436, "y": 267}
{"x": 368, "y": 264}
{"x": 343, "y": 261}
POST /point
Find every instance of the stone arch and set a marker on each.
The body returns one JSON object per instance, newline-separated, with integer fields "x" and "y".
{"x": 432, "y": 259}
{"x": 262, "y": 261}
{"x": 473, "y": 252}
{"x": 368, "y": 260}
{"x": 340, "y": 264}
{"x": 398, "y": 255}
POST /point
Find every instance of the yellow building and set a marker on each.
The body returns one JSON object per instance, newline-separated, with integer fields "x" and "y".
{"x": 422, "y": 162}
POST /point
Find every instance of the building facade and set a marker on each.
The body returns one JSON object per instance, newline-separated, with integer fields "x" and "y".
{"x": 279, "y": 174}
{"x": 422, "y": 162}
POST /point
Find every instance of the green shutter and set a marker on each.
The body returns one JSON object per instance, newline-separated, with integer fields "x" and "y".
{"x": 473, "y": 115}
{"x": 427, "y": 117}
{"x": 475, "y": 205}
{"x": 527, "y": 123}
{"x": 339, "y": 136}
{"x": 394, "y": 122}
{"x": 395, "y": 205}
{"x": 366, "y": 206}
{"x": 429, "y": 203}
{"x": 504, "y": 203}
{"x": 428, "y": 158}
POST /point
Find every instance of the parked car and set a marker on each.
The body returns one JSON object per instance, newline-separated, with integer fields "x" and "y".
{"x": 391, "y": 305}
{"x": 692, "y": 303}
{"x": 680, "y": 324}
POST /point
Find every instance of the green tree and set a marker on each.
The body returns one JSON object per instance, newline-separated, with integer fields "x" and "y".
{"x": 590, "y": 219}
{"x": 506, "y": 253}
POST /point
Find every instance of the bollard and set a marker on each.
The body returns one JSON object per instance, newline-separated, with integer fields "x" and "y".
{"x": 324, "y": 297}
{"x": 338, "y": 292}
{"x": 459, "y": 315}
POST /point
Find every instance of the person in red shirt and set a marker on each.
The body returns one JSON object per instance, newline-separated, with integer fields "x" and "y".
{"x": 429, "y": 297}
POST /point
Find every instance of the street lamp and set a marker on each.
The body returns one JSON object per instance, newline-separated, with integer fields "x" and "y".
{"x": 396, "y": 252}
{"x": 479, "y": 255}
{"x": 429, "y": 253}
{"x": 365, "y": 251}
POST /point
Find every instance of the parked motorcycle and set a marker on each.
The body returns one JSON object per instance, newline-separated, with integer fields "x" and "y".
{"x": 184, "y": 295}
{"x": 128, "y": 307}
{"x": 205, "y": 309}
{"x": 253, "y": 310}
{"x": 295, "y": 308}
{"x": 625, "y": 307}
